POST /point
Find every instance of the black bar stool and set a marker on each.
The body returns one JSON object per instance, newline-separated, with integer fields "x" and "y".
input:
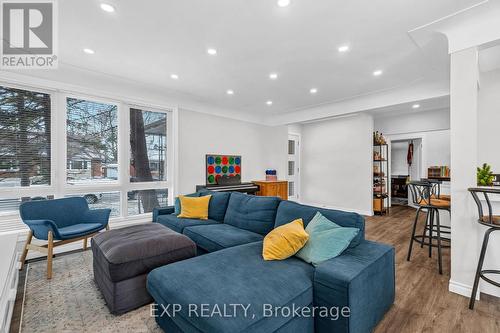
{"x": 424, "y": 197}
{"x": 491, "y": 221}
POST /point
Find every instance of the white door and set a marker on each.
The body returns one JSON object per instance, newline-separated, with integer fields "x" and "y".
{"x": 293, "y": 166}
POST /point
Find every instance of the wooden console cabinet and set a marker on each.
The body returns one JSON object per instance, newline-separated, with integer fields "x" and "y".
{"x": 272, "y": 188}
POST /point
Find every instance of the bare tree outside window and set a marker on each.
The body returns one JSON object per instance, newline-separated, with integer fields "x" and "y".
{"x": 25, "y": 118}
{"x": 148, "y": 132}
{"x": 92, "y": 141}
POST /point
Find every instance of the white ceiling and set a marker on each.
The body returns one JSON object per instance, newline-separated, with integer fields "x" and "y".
{"x": 146, "y": 41}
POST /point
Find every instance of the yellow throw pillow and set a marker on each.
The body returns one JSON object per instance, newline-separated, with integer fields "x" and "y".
{"x": 285, "y": 241}
{"x": 194, "y": 208}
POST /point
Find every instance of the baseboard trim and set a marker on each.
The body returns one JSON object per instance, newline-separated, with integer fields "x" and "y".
{"x": 461, "y": 289}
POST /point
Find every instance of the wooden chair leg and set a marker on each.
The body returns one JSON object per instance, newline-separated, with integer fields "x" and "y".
{"x": 50, "y": 252}
{"x": 25, "y": 251}
{"x": 85, "y": 244}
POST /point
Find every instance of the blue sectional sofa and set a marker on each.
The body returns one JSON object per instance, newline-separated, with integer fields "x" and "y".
{"x": 232, "y": 289}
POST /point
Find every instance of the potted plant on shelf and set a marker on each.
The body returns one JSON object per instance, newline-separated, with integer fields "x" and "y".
{"x": 485, "y": 175}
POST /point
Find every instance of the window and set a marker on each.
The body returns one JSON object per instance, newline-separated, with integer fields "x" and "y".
{"x": 92, "y": 141}
{"x": 25, "y": 118}
{"x": 143, "y": 201}
{"x": 148, "y": 145}
{"x": 96, "y": 137}
{"x": 98, "y": 200}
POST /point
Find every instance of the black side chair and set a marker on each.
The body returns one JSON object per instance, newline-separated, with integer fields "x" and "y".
{"x": 491, "y": 221}
{"x": 424, "y": 197}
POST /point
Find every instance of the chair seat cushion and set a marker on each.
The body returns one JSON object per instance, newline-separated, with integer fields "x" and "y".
{"x": 220, "y": 236}
{"x": 178, "y": 224}
{"x": 128, "y": 252}
{"x": 495, "y": 219}
{"x": 436, "y": 202}
{"x": 237, "y": 275}
{"x": 81, "y": 229}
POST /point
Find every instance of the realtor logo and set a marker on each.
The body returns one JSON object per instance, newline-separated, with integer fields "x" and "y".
{"x": 28, "y": 34}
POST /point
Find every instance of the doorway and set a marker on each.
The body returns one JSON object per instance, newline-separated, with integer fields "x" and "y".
{"x": 406, "y": 165}
{"x": 293, "y": 174}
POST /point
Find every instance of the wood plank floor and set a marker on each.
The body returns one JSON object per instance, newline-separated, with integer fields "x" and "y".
{"x": 423, "y": 302}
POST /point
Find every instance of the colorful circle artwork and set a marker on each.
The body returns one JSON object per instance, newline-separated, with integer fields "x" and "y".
{"x": 218, "y": 166}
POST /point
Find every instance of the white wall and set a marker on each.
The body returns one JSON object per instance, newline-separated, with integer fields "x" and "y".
{"x": 433, "y": 120}
{"x": 464, "y": 227}
{"x": 432, "y": 126}
{"x": 261, "y": 147}
{"x": 337, "y": 163}
{"x": 399, "y": 152}
{"x": 488, "y": 135}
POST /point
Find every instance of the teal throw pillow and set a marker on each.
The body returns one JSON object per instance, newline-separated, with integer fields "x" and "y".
{"x": 326, "y": 240}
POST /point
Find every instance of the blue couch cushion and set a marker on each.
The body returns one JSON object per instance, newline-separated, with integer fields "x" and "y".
{"x": 362, "y": 278}
{"x": 218, "y": 204}
{"x": 178, "y": 224}
{"x": 220, "y": 236}
{"x": 81, "y": 229}
{"x": 236, "y": 275}
{"x": 289, "y": 211}
{"x": 252, "y": 213}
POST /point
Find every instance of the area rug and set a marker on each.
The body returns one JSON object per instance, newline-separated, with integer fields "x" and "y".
{"x": 71, "y": 301}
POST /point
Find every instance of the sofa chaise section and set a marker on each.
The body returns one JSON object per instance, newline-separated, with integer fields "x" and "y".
{"x": 363, "y": 279}
{"x": 236, "y": 275}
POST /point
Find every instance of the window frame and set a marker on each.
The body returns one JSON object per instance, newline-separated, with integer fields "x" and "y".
{"x": 38, "y": 190}
{"x": 59, "y": 187}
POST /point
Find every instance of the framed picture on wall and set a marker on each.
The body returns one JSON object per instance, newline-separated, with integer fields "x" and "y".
{"x": 221, "y": 165}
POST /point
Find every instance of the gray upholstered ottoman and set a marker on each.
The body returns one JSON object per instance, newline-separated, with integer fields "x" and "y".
{"x": 123, "y": 258}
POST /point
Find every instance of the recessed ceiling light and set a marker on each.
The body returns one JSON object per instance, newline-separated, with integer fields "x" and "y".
{"x": 89, "y": 51}
{"x": 212, "y": 51}
{"x": 415, "y": 106}
{"x": 377, "y": 72}
{"x": 313, "y": 90}
{"x": 174, "y": 76}
{"x": 343, "y": 48}
{"x": 230, "y": 92}
{"x": 283, "y": 3}
{"x": 273, "y": 76}
{"x": 269, "y": 102}
{"x": 107, "y": 7}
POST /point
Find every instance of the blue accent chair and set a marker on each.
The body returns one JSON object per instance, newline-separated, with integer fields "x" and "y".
{"x": 59, "y": 222}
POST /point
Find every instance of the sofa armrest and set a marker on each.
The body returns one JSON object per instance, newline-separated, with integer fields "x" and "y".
{"x": 41, "y": 228}
{"x": 361, "y": 279}
{"x": 162, "y": 211}
{"x": 97, "y": 216}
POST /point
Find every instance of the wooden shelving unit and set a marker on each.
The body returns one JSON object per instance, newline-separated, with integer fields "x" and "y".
{"x": 380, "y": 178}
